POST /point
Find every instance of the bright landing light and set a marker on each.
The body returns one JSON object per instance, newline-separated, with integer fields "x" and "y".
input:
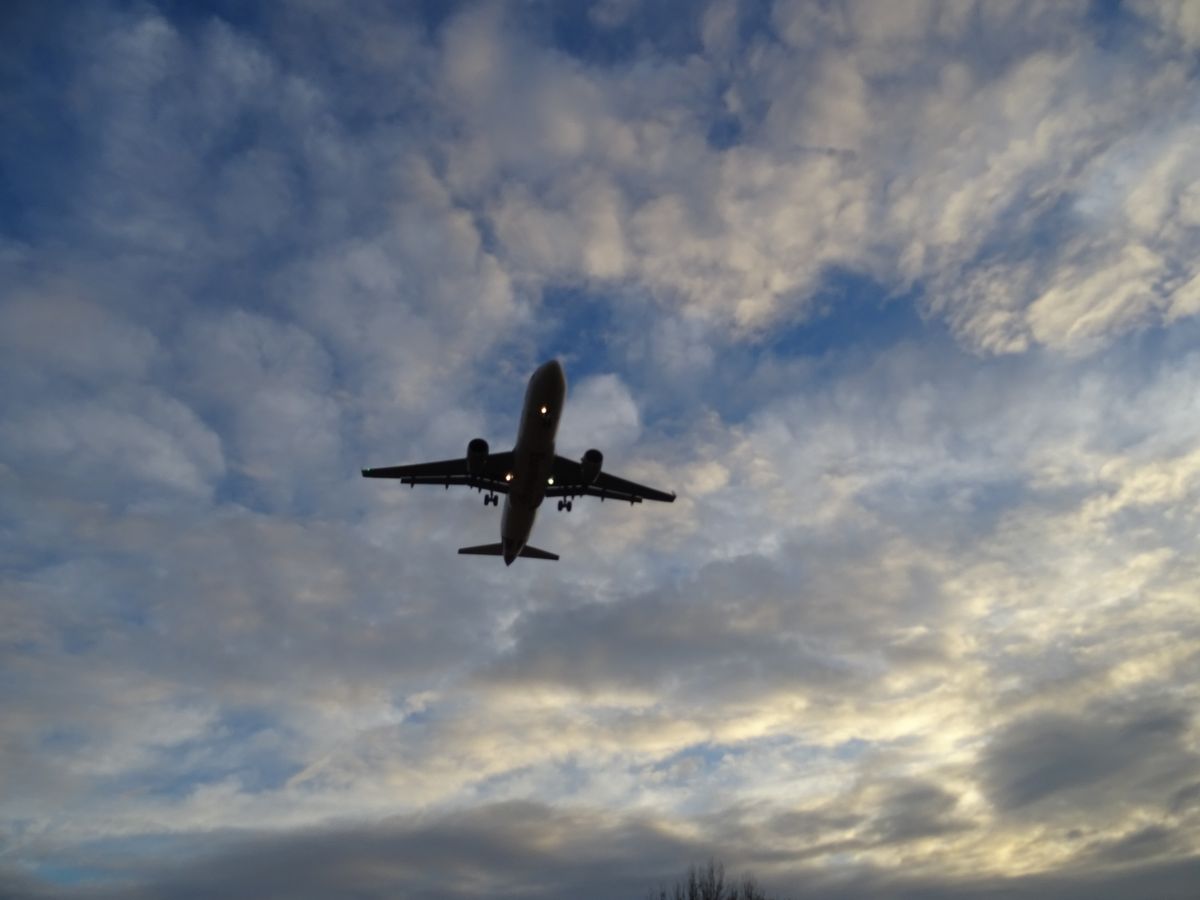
{"x": 508, "y": 476}
{"x": 545, "y": 409}
{"x": 549, "y": 481}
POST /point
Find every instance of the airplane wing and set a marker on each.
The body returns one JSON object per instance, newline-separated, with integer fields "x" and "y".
{"x": 568, "y": 482}
{"x": 451, "y": 471}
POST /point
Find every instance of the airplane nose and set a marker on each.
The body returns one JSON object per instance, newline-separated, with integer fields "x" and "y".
{"x": 558, "y": 378}
{"x": 553, "y": 369}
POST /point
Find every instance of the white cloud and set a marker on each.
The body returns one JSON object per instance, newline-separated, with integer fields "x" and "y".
{"x": 55, "y": 329}
{"x": 140, "y": 440}
{"x": 601, "y": 412}
{"x": 269, "y": 385}
{"x": 907, "y": 164}
{"x": 1176, "y": 18}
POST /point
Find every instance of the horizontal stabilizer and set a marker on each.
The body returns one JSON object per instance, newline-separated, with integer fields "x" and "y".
{"x": 483, "y": 550}
{"x": 498, "y": 550}
{"x": 535, "y": 553}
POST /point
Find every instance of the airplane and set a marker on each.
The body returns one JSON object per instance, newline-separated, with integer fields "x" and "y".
{"x": 528, "y": 473}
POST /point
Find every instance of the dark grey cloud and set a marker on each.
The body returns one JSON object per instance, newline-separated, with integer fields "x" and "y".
{"x": 512, "y": 850}
{"x": 1185, "y": 798}
{"x": 1075, "y": 762}
{"x": 879, "y": 814}
{"x": 1144, "y": 843}
{"x": 525, "y": 850}
{"x": 914, "y": 811}
{"x": 1171, "y": 881}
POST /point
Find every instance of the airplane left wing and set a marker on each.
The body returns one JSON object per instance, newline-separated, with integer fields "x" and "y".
{"x": 451, "y": 471}
{"x": 568, "y": 482}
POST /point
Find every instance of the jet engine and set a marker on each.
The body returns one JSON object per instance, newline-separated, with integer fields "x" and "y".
{"x": 477, "y": 454}
{"x": 590, "y": 465}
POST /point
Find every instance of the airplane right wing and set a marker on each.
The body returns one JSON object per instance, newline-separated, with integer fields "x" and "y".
{"x": 569, "y": 482}
{"x": 492, "y": 476}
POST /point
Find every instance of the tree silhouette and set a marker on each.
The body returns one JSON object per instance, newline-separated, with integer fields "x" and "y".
{"x": 708, "y": 883}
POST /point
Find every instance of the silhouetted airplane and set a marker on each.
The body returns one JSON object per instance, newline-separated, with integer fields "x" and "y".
{"x": 527, "y": 473}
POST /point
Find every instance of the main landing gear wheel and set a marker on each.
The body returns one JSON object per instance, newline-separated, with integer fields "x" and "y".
{"x": 492, "y": 499}
{"x": 564, "y": 504}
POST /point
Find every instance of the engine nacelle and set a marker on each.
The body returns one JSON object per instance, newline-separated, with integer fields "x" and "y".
{"x": 477, "y": 454}
{"x": 590, "y": 464}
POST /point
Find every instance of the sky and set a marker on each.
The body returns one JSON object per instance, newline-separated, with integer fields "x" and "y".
{"x": 900, "y": 298}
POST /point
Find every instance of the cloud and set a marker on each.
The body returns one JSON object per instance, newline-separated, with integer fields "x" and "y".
{"x": 601, "y": 411}
{"x": 1174, "y": 18}
{"x": 1060, "y": 758}
{"x": 269, "y": 386}
{"x": 138, "y": 444}
{"x": 529, "y": 851}
{"x": 936, "y": 180}
{"x": 913, "y": 812}
{"x": 51, "y": 329}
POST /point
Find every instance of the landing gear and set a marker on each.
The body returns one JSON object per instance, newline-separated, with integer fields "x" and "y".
{"x": 564, "y": 504}
{"x": 492, "y": 499}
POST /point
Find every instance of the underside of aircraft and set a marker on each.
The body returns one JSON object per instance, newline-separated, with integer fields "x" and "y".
{"x": 528, "y": 473}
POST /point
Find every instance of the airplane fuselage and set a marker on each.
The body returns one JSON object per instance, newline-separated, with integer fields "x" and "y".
{"x": 533, "y": 457}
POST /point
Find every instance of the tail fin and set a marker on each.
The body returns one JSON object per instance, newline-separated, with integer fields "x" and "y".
{"x": 498, "y": 550}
